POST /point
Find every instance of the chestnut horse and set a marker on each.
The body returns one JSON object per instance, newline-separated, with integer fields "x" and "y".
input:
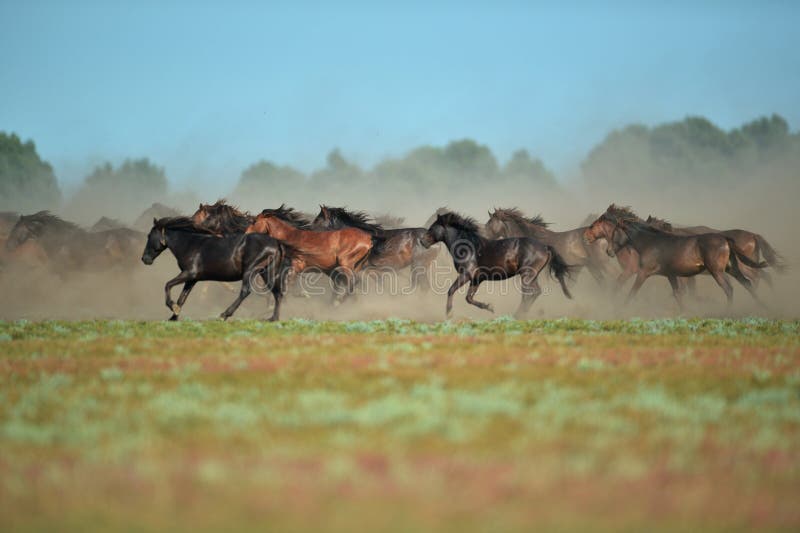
{"x": 338, "y": 253}
{"x": 673, "y": 256}
{"x": 394, "y": 248}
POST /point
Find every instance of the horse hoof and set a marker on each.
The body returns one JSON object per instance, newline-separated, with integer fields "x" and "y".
{"x": 173, "y": 318}
{"x": 176, "y": 309}
{"x": 337, "y": 303}
{"x": 223, "y": 317}
{"x": 490, "y": 308}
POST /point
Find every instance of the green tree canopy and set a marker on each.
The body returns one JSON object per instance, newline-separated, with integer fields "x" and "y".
{"x": 27, "y": 183}
{"x": 693, "y": 149}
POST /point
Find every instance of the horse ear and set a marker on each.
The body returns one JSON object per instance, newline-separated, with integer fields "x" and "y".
{"x": 155, "y": 221}
{"x": 201, "y": 205}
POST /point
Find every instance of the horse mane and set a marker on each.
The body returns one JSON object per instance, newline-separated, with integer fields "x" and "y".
{"x": 37, "y": 222}
{"x": 229, "y": 218}
{"x": 622, "y": 213}
{"x": 287, "y": 214}
{"x": 356, "y": 219}
{"x": 181, "y": 223}
{"x": 460, "y": 222}
{"x": 660, "y": 223}
{"x": 517, "y": 216}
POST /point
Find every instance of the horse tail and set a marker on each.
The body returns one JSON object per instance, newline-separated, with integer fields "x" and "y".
{"x": 378, "y": 247}
{"x": 737, "y": 253}
{"x": 772, "y": 257}
{"x": 559, "y": 269}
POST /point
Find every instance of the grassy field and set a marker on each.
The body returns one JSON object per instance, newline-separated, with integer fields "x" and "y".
{"x": 395, "y": 425}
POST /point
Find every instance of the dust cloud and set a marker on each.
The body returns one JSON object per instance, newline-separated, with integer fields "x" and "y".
{"x": 35, "y": 291}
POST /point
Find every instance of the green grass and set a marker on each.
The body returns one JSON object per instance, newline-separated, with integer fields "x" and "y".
{"x": 398, "y": 425}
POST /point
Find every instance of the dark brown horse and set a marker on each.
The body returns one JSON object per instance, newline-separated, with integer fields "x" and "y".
{"x": 205, "y": 256}
{"x": 753, "y": 245}
{"x": 394, "y": 249}
{"x": 337, "y": 253}
{"x": 511, "y": 222}
{"x": 478, "y": 259}
{"x": 673, "y": 256}
{"x": 70, "y": 247}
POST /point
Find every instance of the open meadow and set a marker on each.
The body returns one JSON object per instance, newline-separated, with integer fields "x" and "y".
{"x": 399, "y": 425}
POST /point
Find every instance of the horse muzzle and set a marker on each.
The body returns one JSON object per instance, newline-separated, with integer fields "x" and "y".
{"x": 147, "y": 260}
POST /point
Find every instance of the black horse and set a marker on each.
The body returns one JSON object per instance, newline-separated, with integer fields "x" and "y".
{"x": 204, "y": 256}
{"x": 673, "y": 256}
{"x": 395, "y": 249}
{"x": 478, "y": 259}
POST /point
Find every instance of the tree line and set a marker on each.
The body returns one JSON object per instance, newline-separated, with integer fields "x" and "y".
{"x": 691, "y": 150}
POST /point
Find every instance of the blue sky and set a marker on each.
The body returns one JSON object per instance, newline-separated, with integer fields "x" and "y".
{"x": 206, "y": 89}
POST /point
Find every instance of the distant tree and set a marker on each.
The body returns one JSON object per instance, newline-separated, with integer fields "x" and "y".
{"x": 337, "y": 170}
{"x": 265, "y": 176}
{"x": 27, "y": 183}
{"x": 693, "y": 149}
{"x": 523, "y": 168}
{"x": 121, "y": 192}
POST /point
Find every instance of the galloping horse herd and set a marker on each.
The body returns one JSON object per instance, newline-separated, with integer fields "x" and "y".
{"x": 271, "y": 249}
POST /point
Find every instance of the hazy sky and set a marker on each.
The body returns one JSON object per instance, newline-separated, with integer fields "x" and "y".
{"x": 205, "y": 90}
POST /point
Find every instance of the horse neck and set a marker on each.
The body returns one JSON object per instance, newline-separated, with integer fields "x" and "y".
{"x": 281, "y": 229}
{"x": 536, "y": 229}
{"x": 57, "y": 237}
{"x": 454, "y": 236}
{"x": 639, "y": 238}
{"x": 183, "y": 243}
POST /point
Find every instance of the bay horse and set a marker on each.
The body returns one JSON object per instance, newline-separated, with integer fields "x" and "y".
{"x": 396, "y": 249}
{"x": 478, "y": 259}
{"x": 753, "y": 245}
{"x": 70, "y": 247}
{"x": 673, "y": 256}
{"x": 338, "y": 253}
{"x": 511, "y": 222}
{"x": 205, "y": 256}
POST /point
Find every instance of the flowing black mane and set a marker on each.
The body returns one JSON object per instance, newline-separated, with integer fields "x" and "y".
{"x": 467, "y": 226}
{"x": 513, "y": 214}
{"x": 181, "y": 223}
{"x": 287, "y": 214}
{"x": 227, "y": 218}
{"x": 356, "y": 219}
{"x": 43, "y": 220}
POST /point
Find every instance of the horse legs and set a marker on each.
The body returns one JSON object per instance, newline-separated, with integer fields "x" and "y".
{"x": 244, "y": 292}
{"x": 722, "y": 281}
{"x": 460, "y": 281}
{"x": 749, "y": 285}
{"x": 183, "y": 277}
{"x": 676, "y": 290}
{"x": 473, "y": 288}
{"x": 530, "y": 291}
{"x": 277, "y": 294}
{"x": 641, "y": 276}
